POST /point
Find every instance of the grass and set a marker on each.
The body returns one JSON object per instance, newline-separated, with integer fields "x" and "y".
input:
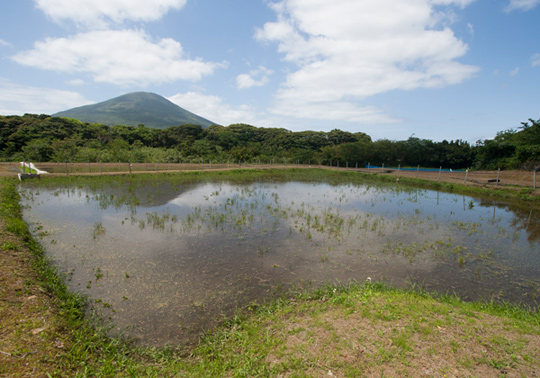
{"x": 359, "y": 329}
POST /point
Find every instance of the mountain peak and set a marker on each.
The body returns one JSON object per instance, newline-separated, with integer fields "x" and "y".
{"x": 132, "y": 109}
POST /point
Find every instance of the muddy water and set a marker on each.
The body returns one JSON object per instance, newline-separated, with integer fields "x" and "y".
{"x": 166, "y": 262}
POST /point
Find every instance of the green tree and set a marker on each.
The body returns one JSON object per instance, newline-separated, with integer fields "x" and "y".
{"x": 38, "y": 150}
{"x": 64, "y": 150}
{"x": 119, "y": 149}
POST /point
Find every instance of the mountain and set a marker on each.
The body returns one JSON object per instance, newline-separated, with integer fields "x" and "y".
{"x": 133, "y": 109}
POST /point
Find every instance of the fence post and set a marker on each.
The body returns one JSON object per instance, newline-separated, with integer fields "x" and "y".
{"x": 67, "y": 171}
{"x": 89, "y": 169}
{"x": 498, "y": 175}
{"x": 368, "y": 165}
{"x": 129, "y": 164}
{"x": 440, "y": 170}
{"x": 58, "y": 166}
{"x": 382, "y": 169}
{"x": 466, "y": 174}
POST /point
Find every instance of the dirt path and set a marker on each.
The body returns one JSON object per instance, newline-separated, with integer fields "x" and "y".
{"x": 30, "y": 336}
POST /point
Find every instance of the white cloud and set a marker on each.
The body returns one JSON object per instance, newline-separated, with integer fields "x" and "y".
{"x": 76, "y": 82}
{"x": 523, "y": 5}
{"x": 535, "y": 60}
{"x": 213, "y": 108}
{"x": 98, "y": 13}
{"x": 470, "y": 28}
{"x": 332, "y": 111}
{"x": 4, "y": 43}
{"x": 514, "y": 72}
{"x": 122, "y": 57}
{"x": 348, "y": 50}
{"x": 461, "y": 3}
{"x": 19, "y": 99}
{"x": 255, "y": 78}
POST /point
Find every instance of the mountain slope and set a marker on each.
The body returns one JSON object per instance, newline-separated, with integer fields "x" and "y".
{"x": 133, "y": 109}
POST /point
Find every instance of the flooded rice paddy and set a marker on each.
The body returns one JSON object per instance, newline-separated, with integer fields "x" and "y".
{"x": 165, "y": 262}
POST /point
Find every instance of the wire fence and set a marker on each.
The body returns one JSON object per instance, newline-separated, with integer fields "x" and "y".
{"x": 518, "y": 178}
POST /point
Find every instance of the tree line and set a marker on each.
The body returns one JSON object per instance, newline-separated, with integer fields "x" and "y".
{"x": 43, "y": 138}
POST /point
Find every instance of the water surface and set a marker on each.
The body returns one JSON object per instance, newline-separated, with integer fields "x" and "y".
{"x": 167, "y": 261}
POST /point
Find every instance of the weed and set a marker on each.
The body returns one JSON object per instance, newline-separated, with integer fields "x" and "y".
{"x": 9, "y": 246}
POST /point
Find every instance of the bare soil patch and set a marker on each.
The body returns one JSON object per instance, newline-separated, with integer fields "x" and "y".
{"x": 385, "y": 338}
{"x": 487, "y": 179}
{"x": 30, "y": 336}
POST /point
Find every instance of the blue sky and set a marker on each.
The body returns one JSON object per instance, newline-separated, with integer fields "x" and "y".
{"x": 435, "y": 69}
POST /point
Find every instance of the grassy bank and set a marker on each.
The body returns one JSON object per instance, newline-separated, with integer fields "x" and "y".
{"x": 354, "y": 330}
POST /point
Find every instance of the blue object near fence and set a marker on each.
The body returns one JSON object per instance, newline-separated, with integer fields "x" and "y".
{"x": 416, "y": 169}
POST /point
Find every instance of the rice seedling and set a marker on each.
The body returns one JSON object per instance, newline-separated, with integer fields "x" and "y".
{"x": 99, "y": 230}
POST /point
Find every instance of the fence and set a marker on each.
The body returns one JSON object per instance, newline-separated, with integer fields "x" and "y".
{"x": 494, "y": 178}
{"x": 68, "y": 168}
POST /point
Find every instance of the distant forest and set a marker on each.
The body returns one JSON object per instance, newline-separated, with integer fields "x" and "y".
{"x": 42, "y": 138}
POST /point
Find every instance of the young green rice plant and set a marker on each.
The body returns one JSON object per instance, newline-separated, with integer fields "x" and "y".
{"x": 98, "y": 274}
{"x": 157, "y": 221}
{"x": 262, "y": 250}
{"x": 461, "y": 261}
{"x": 98, "y": 229}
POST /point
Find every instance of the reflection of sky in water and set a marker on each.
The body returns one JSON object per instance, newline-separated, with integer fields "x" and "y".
{"x": 203, "y": 196}
{"x": 190, "y": 254}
